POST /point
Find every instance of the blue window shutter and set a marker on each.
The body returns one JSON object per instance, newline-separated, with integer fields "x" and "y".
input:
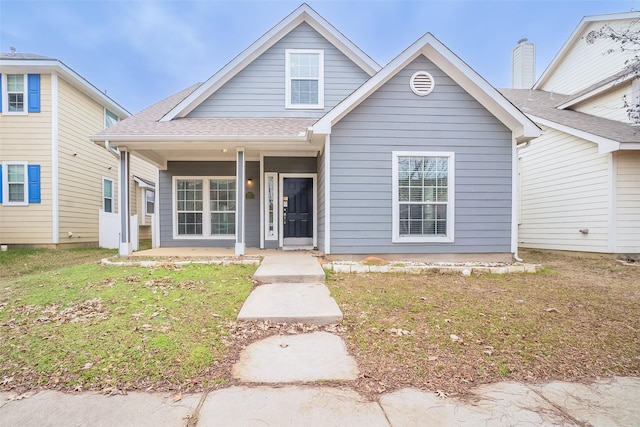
{"x": 0, "y": 183}
{"x": 34, "y": 183}
{"x": 0, "y": 104}
{"x": 33, "y": 85}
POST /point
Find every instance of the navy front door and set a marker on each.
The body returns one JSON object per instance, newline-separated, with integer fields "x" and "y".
{"x": 298, "y": 207}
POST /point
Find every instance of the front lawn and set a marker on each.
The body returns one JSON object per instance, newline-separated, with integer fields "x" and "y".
{"x": 115, "y": 328}
{"x": 18, "y": 262}
{"x": 577, "y": 319}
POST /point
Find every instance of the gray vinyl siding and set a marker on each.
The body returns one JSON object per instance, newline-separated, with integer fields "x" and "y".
{"x": 259, "y": 89}
{"x": 395, "y": 119}
{"x": 165, "y": 205}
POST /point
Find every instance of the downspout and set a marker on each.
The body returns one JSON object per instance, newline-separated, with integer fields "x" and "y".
{"x": 519, "y": 147}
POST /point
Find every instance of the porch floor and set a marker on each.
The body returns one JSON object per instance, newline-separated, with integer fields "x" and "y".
{"x": 209, "y": 252}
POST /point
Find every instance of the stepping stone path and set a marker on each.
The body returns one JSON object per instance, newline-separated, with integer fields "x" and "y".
{"x": 293, "y": 291}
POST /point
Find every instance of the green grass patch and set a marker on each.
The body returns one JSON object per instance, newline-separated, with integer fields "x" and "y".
{"x": 20, "y": 262}
{"x": 91, "y": 326}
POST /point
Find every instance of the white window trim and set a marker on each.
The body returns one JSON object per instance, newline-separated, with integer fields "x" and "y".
{"x": 144, "y": 201}
{"x": 5, "y": 96}
{"x": 106, "y": 113}
{"x": 113, "y": 206}
{"x": 449, "y": 238}
{"x": 320, "y": 104}
{"x": 5, "y": 183}
{"x": 206, "y": 210}
{"x": 276, "y": 205}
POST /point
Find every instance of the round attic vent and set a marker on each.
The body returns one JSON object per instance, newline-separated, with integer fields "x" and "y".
{"x": 422, "y": 83}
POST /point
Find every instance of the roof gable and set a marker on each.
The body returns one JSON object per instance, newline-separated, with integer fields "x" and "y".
{"x": 521, "y": 126}
{"x": 304, "y": 13}
{"x": 576, "y": 36}
{"x": 31, "y": 63}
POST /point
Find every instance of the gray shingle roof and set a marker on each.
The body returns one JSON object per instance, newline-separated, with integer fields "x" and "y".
{"x": 147, "y": 123}
{"x": 544, "y": 105}
{"x": 24, "y": 56}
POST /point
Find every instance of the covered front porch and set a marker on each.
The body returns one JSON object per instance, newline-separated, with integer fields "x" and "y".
{"x": 240, "y": 190}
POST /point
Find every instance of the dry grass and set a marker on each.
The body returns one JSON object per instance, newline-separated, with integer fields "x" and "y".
{"x": 578, "y": 319}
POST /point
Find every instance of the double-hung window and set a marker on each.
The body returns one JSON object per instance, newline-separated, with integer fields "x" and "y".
{"x": 205, "y": 207}
{"x": 304, "y": 78}
{"x": 16, "y": 93}
{"x": 16, "y": 184}
{"x": 149, "y": 202}
{"x": 423, "y": 196}
{"x": 107, "y": 195}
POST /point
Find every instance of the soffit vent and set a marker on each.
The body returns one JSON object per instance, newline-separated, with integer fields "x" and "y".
{"x": 422, "y": 83}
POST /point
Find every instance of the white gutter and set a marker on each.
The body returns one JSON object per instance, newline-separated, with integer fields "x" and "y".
{"x": 113, "y": 151}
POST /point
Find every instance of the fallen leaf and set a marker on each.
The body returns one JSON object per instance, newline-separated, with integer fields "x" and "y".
{"x": 551, "y": 310}
{"x": 455, "y": 338}
{"x": 441, "y": 394}
{"x": 87, "y": 365}
{"x": 177, "y": 397}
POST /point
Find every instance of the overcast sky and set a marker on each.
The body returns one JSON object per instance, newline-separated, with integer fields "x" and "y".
{"x": 143, "y": 51}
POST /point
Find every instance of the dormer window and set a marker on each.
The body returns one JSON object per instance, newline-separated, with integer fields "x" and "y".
{"x": 304, "y": 79}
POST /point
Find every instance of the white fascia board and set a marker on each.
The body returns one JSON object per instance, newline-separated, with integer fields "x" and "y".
{"x": 629, "y": 146}
{"x": 605, "y": 145}
{"x": 135, "y": 139}
{"x": 55, "y": 66}
{"x": 587, "y": 95}
{"x": 522, "y": 127}
{"x": 302, "y": 14}
{"x": 575, "y": 36}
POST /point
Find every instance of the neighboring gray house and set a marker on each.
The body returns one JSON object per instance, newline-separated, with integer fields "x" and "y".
{"x": 303, "y": 141}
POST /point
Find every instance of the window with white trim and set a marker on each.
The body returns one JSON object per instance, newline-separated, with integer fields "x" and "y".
{"x": 149, "y": 202}
{"x": 205, "y": 207}
{"x": 107, "y": 195}
{"x": 16, "y": 184}
{"x": 110, "y": 118}
{"x": 423, "y": 193}
{"x": 304, "y": 71}
{"x": 222, "y": 200}
{"x": 270, "y": 206}
{"x": 16, "y": 93}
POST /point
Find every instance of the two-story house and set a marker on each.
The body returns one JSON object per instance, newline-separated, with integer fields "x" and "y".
{"x": 54, "y": 182}
{"x": 303, "y": 141}
{"x": 580, "y": 181}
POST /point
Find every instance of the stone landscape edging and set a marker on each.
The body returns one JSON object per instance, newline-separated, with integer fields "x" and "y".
{"x": 418, "y": 268}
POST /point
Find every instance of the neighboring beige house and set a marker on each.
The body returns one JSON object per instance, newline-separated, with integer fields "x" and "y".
{"x": 53, "y": 180}
{"x": 580, "y": 180}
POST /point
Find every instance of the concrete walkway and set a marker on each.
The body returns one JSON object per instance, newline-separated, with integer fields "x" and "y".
{"x": 293, "y": 291}
{"x": 611, "y": 402}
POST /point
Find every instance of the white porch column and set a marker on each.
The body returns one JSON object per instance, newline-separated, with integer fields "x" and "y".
{"x": 240, "y": 186}
{"x": 124, "y": 205}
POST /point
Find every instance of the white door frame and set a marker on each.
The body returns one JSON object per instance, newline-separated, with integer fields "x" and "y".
{"x": 281, "y": 178}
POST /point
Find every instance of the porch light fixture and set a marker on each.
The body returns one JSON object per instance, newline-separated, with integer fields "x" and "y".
{"x": 250, "y": 181}
{"x": 224, "y": 150}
